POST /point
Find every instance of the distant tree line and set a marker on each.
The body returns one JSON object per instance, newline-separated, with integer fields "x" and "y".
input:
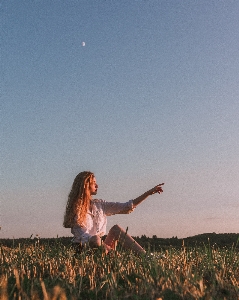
{"x": 153, "y": 244}
{"x": 201, "y": 240}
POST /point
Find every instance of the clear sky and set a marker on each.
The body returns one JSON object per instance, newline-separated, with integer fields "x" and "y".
{"x": 138, "y": 92}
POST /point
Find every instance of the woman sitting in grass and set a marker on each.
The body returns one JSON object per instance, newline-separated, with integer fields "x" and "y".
{"x": 87, "y": 217}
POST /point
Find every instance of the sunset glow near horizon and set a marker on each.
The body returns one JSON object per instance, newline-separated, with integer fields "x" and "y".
{"x": 138, "y": 92}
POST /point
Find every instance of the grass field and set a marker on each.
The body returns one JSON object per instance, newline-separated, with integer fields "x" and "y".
{"x": 55, "y": 272}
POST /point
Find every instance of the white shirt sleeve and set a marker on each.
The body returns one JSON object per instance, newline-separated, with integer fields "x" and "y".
{"x": 112, "y": 208}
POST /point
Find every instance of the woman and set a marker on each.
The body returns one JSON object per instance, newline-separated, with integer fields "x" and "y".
{"x": 87, "y": 217}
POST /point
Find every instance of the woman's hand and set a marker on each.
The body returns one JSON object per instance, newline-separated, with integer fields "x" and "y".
{"x": 107, "y": 248}
{"x": 157, "y": 189}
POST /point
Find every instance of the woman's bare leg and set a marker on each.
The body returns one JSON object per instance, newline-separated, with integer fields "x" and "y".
{"x": 95, "y": 242}
{"x": 117, "y": 234}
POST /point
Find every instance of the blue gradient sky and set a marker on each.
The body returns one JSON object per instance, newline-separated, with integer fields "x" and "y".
{"x": 152, "y": 97}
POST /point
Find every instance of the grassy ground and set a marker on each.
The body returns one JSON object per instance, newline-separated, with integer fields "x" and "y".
{"x": 55, "y": 272}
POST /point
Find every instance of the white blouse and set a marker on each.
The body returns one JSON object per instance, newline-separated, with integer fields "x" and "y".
{"x": 95, "y": 223}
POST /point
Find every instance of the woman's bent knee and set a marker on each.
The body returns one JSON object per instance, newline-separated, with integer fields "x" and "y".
{"x": 116, "y": 230}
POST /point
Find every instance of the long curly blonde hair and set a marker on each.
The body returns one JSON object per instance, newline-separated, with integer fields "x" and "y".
{"x": 78, "y": 200}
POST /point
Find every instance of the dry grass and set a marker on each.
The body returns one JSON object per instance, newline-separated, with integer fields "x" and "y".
{"x": 44, "y": 272}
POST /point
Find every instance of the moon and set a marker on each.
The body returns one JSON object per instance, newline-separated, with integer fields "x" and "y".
{"x": 83, "y": 44}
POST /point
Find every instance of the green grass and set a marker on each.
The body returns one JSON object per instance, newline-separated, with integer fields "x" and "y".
{"x": 55, "y": 272}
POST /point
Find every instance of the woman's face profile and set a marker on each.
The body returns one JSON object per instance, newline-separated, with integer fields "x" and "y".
{"x": 93, "y": 186}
